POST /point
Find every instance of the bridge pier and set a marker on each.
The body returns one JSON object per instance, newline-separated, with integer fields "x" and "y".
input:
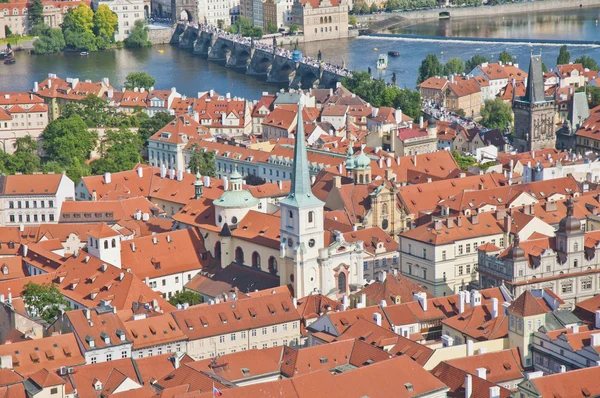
{"x": 204, "y": 43}
{"x": 283, "y": 70}
{"x": 188, "y": 38}
{"x": 179, "y": 30}
{"x": 241, "y": 56}
{"x": 306, "y": 77}
{"x": 221, "y": 50}
{"x": 261, "y": 63}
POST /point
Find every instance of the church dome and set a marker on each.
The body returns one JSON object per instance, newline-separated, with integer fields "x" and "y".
{"x": 362, "y": 161}
{"x": 569, "y": 224}
{"x": 431, "y": 122}
{"x": 236, "y": 199}
{"x": 516, "y": 252}
{"x": 350, "y": 160}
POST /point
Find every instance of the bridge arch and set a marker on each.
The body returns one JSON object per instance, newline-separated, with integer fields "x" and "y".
{"x": 186, "y": 16}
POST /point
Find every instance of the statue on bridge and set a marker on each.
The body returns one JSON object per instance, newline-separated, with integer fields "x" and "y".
{"x": 252, "y": 42}
{"x": 319, "y": 56}
{"x": 274, "y": 43}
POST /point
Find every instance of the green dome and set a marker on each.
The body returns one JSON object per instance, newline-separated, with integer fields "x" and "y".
{"x": 198, "y": 179}
{"x": 362, "y": 161}
{"x": 236, "y": 199}
{"x": 350, "y": 160}
{"x": 235, "y": 175}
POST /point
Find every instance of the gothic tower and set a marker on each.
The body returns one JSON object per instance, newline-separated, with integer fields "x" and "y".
{"x": 301, "y": 225}
{"x": 534, "y": 113}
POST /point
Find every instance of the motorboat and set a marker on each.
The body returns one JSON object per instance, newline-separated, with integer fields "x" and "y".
{"x": 84, "y": 53}
{"x": 382, "y": 62}
{"x": 393, "y": 53}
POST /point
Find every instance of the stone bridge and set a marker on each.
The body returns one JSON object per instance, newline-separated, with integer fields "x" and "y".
{"x": 263, "y": 64}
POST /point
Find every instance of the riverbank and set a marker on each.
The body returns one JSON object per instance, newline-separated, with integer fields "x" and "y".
{"x": 379, "y": 22}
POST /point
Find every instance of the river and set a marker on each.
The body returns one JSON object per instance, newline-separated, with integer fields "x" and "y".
{"x": 191, "y": 74}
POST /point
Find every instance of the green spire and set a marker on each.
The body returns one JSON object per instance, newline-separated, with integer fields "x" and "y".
{"x": 300, "y": 192}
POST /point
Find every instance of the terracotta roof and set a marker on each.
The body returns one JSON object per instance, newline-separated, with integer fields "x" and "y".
{"x": 464, "y": 87}
{"x": 155, "y": 330}
{"x": 259, "y": 228}
{"x": 527, "y": 305}
{"x": 158, "y": 366}
{"x": 243, "y": 315}
{"x": 101, "y": 330}
{"x": 281, "y": 118}
{"x": 434, "y": 83}
{"x": 44, "y": 378}
{"x": 197, "y": 380}
{"x": 30, "y": 184}
{"x": 315, "y": 305}
{"x": 9, "y": 376}
{"x": 344, "y": 319}
{"x": 12, "y": 267}
{"x": 239, "y": 366}
{"x": 395, "y": 289}
{"x": 590, "y": 128}
{"x": 181, "y": 130}
{"x": 85, "y": 376}
{"x": 370, "y": 333}
{"x": 478, "y": 324}
{"x": 454, "y": 378}
{"x": 15, "y": 97}
{"x": 49, "y": 353}
{"x": 106, "y": 210}
{"x": 418, "y": 352}
{"x": 575, "y": 383}
{"x": 497, "y": 71}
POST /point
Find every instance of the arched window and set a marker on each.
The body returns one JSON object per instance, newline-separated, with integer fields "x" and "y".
{"x": 342, "y": 282}
{"x": 575, "y": 263}
{"x": 96, "y": 243}
{"x": 273, "y": 265}
{"x": 106, "y": 244}
{"x": 321, "y": 20}
{"x": 311, "y": 218}
{"x": 315, "y": 30}
{"x": 329, "y": 21}
{"x": 114, "y": 243}
{"x": 256, "y": 260}
{"x": 239, "y": 255}
{"x": 360, "y": 179}
{"x": 576, "y": 246}
{"x": 384, "y": 209}
{"x": 218, "y": 250}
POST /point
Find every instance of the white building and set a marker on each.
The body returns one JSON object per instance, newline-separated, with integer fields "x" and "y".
{"x": 33, "y": 199}
{"x": 128, "y": 11}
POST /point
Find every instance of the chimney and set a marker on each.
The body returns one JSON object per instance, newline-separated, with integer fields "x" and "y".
{"x": 507, "y": 224}
{"x": 377, "y": 318}
{"x": 421, "y": 297}
{"x": 225, "y": 184}
{"x": 398, "y": 116}
{"x": 179, "y": 175}
{"x": 295, "y": 302}
{"x": 25, "y": 250}
{"x": 495, "y": 392}
{"x": 280, "y": 185}
{"x": 36, "y": 87}
{"x": 140, "y": 172}
{"x": 575, "y": 329}
{"x": 87, "y": 314}
{"x": 172, "y": 174}
{"x": 362, "y": 303}
{"x": 494, "y": 308}
{"x": 597, "y": 324}
{"x": 470, "y": 349}
{"x": 337, "y": 181}
{"x": 563, "y": 368}
{"x": 475, "y": 219}
{"x": 475, "y": 298}
{"x": 437, "y": 225}
{"x": 9, "y": 298}
{"x": 459, "y": 221}
{"x": 450, "y": 222}
{"x": 550, "y": 206}
{"x": 421, "y": 122}
{"x": 107, "y": 178}
{"x": 481, "y": 373}
{"x": 163, "y": 171}
{"x": 505, "y": 306}
{"x": 468, "y": 385}
{"x": 461, "y": 302}
{"x": 595, "y": 339}
{"x": 345, "y": 303}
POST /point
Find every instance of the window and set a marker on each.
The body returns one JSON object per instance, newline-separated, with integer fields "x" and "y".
{"x": 575, "y": 263}
{"x": 460, "y": 249}
{"x": 11, "y": 205}
{"x": 424, "y": 253}
{"x": 468, "y": 268}
{"x": 501, "y": 242}
{"x": 443, "y": 255}
{"x": 123, "y": 354}
{"x": 342, "y": 282}
{"x": 243, "y": 334}
{"x": 232, "y": 336}
{"x": 468, "y": 248}
{"x": 93, "y": 360}
{"x": 409, "y": 269}
{"x": 586, "y": 284}
{"x": 51, "y": 217}
{"x": 50, "y": 203}
{"x": 567, "y": 288}
{"x": 264, "y": 331}
{"x": 460, "y": 270}
{"x": 221, "y": 339}
{"x": 54, "y": 390}
{"x": 254, "y": 333}
{"x": 294, "y": 325}
{"x": 108, "y": 357}
{"x": 275, "y": 329}
{"x": 424, "y": 274}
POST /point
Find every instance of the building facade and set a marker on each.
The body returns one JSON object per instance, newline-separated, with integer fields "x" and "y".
{"x": 321, "y": 20}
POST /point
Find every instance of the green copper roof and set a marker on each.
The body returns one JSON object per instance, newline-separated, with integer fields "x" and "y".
{"x": 300, "y": 192}
{"x": 198, "y": 179}
{"x": 237, "y": 199}
{"x": 362, "y": 161}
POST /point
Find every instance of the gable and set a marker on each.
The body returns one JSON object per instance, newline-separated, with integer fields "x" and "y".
{"x": 324, "y": 324}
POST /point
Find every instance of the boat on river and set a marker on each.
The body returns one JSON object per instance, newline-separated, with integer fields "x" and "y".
{"x": 10, "y": 61}
{"x": 382, "y": 62}
{"x": 84, "y": 53}
{"x": 393, "y": 54}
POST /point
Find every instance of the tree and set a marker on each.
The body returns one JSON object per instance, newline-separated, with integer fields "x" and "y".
{"x": 271, "y": 28}
{"x": 496, "y": 114}
{"x": 105, "y": 22}
{"x": 244, "y": 27}
{"x": 463, "y": 161}
{"x": 474, "y": 62}
{"x": 78, "y": 27}
{"x": 294, "y": 28}
{"x": 593, "y": 96}
{"x": 50, "y": 41}
{"x": 7, "y": 31}
{"x": 564, "y": 56}
{"x": 430, "y": 67}
{"x": 254, "y": 180}
{"x": 139, "y": 80}
{"x": 35, "y": 12}
{"x": 544, "y": 67}
{"x": 138, "y": 37}
{"x": 373, "y": 8}
{"x": 66, "y": 140}
{"x": 186, "y": 297}
{"x": 454, "y": 66}
{"x": 148, "y": 127}
{"x": 587, "y": 62}
{"x": 26, "y": 144}
{"x": 44, "y": 301}
{"x": 220, "y": 23}
{"x": 203, "y": 162}
{"x": 505, "y": 57}
{"x": 120, "y": 151}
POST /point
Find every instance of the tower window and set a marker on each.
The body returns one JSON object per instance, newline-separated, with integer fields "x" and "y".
{"x": 342, "y": 282}
{"x": 106, "y": 244}
{"x": 114, "y": 243}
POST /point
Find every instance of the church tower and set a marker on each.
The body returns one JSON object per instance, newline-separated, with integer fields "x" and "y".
{"x": 301, "y": 225}
{"x": 534, "y": 113}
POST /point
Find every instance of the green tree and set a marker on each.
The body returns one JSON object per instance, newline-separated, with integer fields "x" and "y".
{"x": 138, "y": 37}
{"x": 244, "y": 27}
{"x": 203, "y": 162}
{"x": 186, "y": 297}
{"x": 35, "y": 12}
{"x": 7, "y": 31}
{"x": 78, "y": 27}
{"x": 50, "y": 41}
{"x": 26, "y": 144}
{"x": 271, "y": 28}
{"x": 294, "y": 28}
{"x": 587, "y": 62}
{"x": 496, "y": 114}
{"x": 150, "y": 126}
{"x": 474, "y": 62}
{"x": 44, "y": 300}
{"x": 463, "y": 161}
{"x": 454, "y": 66}
{"x": 139, "y": 80}
{"x": 593, "y": 94}
{"x": 220, "y": 23}
{"x": 80, "y": 40}
{"x": 505, "y": 57}
{"x": 373, "y": 8}
{"x": 564, "y": 56}
{"x": 351, "y": 21}
{"x": 120, "y": 151}
{"x": 430, "y": 66}
{"x": 105, "y": 22}
{"x": 544, "y": 67}
{"x": 66, "y": 140}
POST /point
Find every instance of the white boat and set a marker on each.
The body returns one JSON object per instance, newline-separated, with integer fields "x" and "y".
{"x": 382, "y": 61}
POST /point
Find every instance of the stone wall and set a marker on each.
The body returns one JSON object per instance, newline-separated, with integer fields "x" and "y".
{"x": 160, "y": 36}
